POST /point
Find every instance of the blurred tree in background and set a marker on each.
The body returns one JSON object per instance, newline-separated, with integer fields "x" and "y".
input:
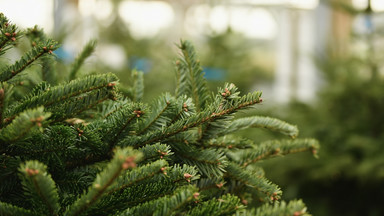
{"x": 348, "y": 120}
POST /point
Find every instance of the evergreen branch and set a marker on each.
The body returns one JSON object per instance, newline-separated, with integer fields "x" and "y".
{"x": 197, "y": 83}
{"x": 28, "y": 58}
{"x": 211, "y": 162}
{"x": 210, "y": 187}
{"x": 133, "y": 196}
{"x": 121, "y": 122}
{"x": 161, "y": 114}
{"x": 74, "y": 106}
{"x": 140, "y": 174}
{"x": 225, "y": 99}
{"x": 63, "y": 92}
{"x": 138, "y": 85}
{"x": 257, "y": 171}
{"x": 74, "y": 182}
{"x": 262, "y": 122}
{"x": 23, "y": 124}
{"x": 38, "y": 90}
{"x": 295, "y": 208}
{"x": 180, "y": 79}
{"x": 165, "y": 205}
{"x": 225, "y": 205}
{"x": 192, "y": 77}
{"x": 118, "y": 124}
{"x": 38, "y": 184}
{"x": 111, "y": 107}
{"x": 184, "y": 173}
{"x": 8, "y": 34}
{"x": 229, "y": 142}
{"x": 210, "y": 114}
{"x": 136, "y": 91}
{"x": 11, "y": 210}
{"x": 123, "y": 159}
{"x": 36, "y": 35}
{"x": 57, "y": 142}
{"x": 212, "y": 129}
{"x": 162, "y": 182}
{"x": 155, "y": 152}
{"x": 122, "y": 129}
{"x": 248, "y": 178}
{"x": 184, "y": 108}
{"x": 88, "y": 49}
{"x": 274, "y": 148}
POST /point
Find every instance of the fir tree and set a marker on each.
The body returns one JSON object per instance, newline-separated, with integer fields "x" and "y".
{"x": 83, "y": 148}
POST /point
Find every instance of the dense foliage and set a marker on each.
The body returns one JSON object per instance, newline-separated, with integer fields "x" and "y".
{"x": 82, "y": 147}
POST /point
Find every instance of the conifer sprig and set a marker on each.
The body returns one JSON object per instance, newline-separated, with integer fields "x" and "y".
{"x": 193, "y": 82}
{"x": 273, "y": 148}
{"x": 36, "y": 35}
{"x": 155, "y": 152}
{"x": 262, "y": 122}
{"x": 183, "y": 173}
{"x": 40, "y": 187}
{"x": 295, "y": 208}
{"x": 123, "y": 121}
{"x": 140, "y": 174}
{"x": 88, "y": 49}
{"x": 23, "y": 124}
{"x": 229, "y": 142}
{"x": 36, "y": 52}
{"x": 163, "y": 110}
{"x": 252, "y": 181}
{"x": 145, "y": 188}
{"x": 8, "y": 34}
{"x": 63, "y": 92}
{"x": 124, "y": 159}
{"x": 138, "y": 85}
{"x": 184, "y": 108}
{"x": 225, "y": 205}
{"x": 210, "y": 114}
{"x": 210, "y": 162}
{"x": 74, "y": 106}
{"x": 225, "y": 99}
{"x": 8, "y": 209}
{"x": 165, "y": 205}
{"x": 110, "y": 107}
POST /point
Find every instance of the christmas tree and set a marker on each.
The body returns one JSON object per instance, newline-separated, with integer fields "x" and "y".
{"x": 82, "y": 147}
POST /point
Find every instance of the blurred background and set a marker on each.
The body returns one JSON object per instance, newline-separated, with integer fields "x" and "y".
{"x": 319, "y": 64}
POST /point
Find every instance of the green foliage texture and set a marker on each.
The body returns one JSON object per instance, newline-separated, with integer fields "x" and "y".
{"x": 81, "y": 147}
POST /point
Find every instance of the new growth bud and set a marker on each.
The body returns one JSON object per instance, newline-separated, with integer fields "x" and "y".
{"x": 31, "y": 172}
{"x": 196, "y": 195}
{"x": 129, "y": 163}
{"x": 187, "y": 176}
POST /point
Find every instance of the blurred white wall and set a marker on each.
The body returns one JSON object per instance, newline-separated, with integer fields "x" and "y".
{"x": 302, "y": 35}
